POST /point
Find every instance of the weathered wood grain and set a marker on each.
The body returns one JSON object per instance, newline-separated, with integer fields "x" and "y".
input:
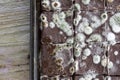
{"x": 14, "y": 39}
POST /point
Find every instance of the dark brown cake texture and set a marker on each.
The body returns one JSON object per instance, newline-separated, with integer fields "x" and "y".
{"x": 57, "y": 59}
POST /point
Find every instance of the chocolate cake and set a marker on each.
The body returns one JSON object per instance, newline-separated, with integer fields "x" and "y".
{"x": 111, "y": 78}
{"x": 57, "y": 59}
{"x": 55, "y": 78}
{"x": 114, "y": 60}
{"x": 113, "y": 29}
{"x": 113, "y": 4}
{"x": 91, "y": 24}
{"x": 95, "y": 77}
{"x": 91, "y": 4}
{"x": 54, "y": 5}
{"x": 80, "y": 40}
{"x": 56, "y": 27}
{"x": 115, "y": 78}
{"x": 92, "y": 58}
{"x": 89, "y": 77}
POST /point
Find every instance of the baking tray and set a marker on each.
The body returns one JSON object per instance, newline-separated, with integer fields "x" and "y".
{"x": 34, "y": 39}
{"x": 31, "y": 39}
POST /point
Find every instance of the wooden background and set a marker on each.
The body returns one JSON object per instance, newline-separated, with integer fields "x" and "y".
{"x": 14, "y": 39}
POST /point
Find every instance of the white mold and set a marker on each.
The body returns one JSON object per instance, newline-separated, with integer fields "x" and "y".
{"x": 116, "y": 53}
{"x": 45, "y": 24}
{"x": 77, "y": 6}
{"x": 55, "y": 78}
{"x": 95, "y": 38}
{"x": 96, "y": 22}
{"x": 83, "y": 24}
{"x": 43, "y": 76}
{"x": 88, "y": 30}
{"x": 52, "y": 25}
{"x": 80, "y": 37}
{"x": 85, "y": 2}
{"x": 110, "y": 1}
{"x": 76, "y": 65}
{"x": 61, "y": 33}
{"x": 111, "y": 36}
{"x": 46, "y": 3}
{"x": 77, "y": 20}
{"x": 96, "y": 59}
{"x": 43, "y": 18}
{"x": 77, "y": 52}
{"x": 96, "y": 79}
{"x": 88, "y": 77}
{"x": 110, "y": 65}
{"x": 104, "y": 62}
{"x": 115, "y": 23}
{"x": 62, "y": 15}
{"x": 82, "y": 78}
{"x": 56, "y": 5}
{"x": 104, "y": 17}
{"x": 72, "y": 70}
{"x": 87, "y": 52}
{"x": 108, "y": 78}
{"x": 84, "y": 57}
{"x": 62, "y": 24}
{"x": 70, "y": 40}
